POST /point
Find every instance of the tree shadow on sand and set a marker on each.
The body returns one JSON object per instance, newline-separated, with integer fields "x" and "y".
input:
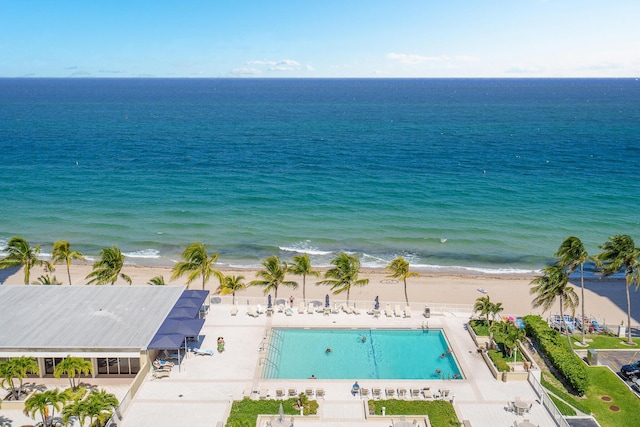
{"x": 6, "y": 273}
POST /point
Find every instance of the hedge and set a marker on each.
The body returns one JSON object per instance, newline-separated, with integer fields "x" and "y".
{"x": 556, "y": 348}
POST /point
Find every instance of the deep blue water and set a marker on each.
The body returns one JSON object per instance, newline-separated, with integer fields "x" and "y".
{"x": 504, "y": 170}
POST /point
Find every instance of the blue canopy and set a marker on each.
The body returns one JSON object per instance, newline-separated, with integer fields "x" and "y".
{"x": 185, "y": 327}
{"x": 183, "y": 313}
{"x": 166, "y": 342}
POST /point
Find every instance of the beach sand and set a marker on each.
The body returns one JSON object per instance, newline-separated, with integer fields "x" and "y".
{"x": 604, "y": 299}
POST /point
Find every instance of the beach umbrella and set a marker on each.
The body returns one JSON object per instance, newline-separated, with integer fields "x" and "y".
{"x": 269, "y": 301}
{"x": 326, "y": 300}
{"x": 377, "y": 305}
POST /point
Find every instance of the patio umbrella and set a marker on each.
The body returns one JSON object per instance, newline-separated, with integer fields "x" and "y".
{"x": 269, "y": 301}
{"x": 377, "y": 305}
{"x": 326, "y": 300}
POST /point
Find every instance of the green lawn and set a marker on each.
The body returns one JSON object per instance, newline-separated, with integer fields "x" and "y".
{"x": 605, "y": 342}
{"x": 244, "y": 413}
{"x": 440, "y": 412}
{"x": 603, "y": 383}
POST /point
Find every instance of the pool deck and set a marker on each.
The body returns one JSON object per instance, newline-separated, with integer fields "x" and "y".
{"x": 199, "y": 394}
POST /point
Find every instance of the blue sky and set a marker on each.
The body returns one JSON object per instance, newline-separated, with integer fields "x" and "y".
{"x": 328, "y": 38}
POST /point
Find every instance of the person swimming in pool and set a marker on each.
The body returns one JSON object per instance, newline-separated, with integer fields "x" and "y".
{"x": 363, "y": 338}
{"x": 328, "y": 350}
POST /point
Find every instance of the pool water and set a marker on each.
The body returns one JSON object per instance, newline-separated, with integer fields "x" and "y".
{"x": 383, "y": 354}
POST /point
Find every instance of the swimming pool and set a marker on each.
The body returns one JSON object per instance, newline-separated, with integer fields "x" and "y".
{"x": 382, "y": 354}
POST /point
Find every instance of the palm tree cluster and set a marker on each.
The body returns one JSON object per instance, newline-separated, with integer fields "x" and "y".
{"x": 97, "y": 406}
{"x": 485, "y": 307}
{"x": 618, "y": 253}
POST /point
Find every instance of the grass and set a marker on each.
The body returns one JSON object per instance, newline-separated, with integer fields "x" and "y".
{"x": 244, "y": 413}
{"x": 480, "y": 327}
{"x": 564, "y": 409}
{"x": 440, "y": 412}
{"x": 603, "y": 383}
{"x": 603, "y": 342}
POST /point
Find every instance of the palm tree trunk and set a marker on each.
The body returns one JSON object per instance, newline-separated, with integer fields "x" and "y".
{"x": 69, "y": 274}
{"x": 582, "y": 300}
{"x": 405, "y": 292}
{"x": 304, "y": 294}
{"x": 629, "y": 340}
{"x": 563, "y": 323}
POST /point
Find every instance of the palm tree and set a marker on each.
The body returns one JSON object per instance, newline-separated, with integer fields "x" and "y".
{"x": 62, "y": 253}
{"x": 399, "y": 269}
{"x": 272, "y": 276}
{"x": 231, "y": 285}
{"x": 108, "y": 268}
{"x": 344, "y": 275}
{"x": 73, "y": 367}
{"x": 483, "y": 305}
{"x": 620, "y": 252}
{"x": 552, "y": 285}
{"x": 40, "y": 402}
{"x": 45, "y": 279}
{"x": 20, "y": 253}
{"x": 76, "y": 409}
{"x": 196, "y": 263}
{"x": 510, "y": 335}
{"x": 494, "y": 310}
{"x": 302, "y": 267}
{"x": 572, "y": 254}
{"x": 99, "y": 405}
{"x": 17, "y": 368}
{"x": 157, "y": 281}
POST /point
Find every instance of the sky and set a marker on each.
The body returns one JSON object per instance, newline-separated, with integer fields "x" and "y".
{"x": 320, "y": 39}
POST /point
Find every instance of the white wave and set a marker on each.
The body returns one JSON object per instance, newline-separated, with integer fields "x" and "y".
{"x": 143, "y": 253}
{"x": 480, "y": 270}
{"x": 304, "y": 247}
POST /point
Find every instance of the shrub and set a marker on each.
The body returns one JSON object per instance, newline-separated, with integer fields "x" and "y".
{"x": 556, "y": 348}
{"x": 440, "y": 412}
{"x": 480, "y": 327}
{"x": 498, "y": 360}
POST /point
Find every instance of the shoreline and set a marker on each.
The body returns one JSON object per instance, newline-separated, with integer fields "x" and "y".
{"x": 604, "y": 298}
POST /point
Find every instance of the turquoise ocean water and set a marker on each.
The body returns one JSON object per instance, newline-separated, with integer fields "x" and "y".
{"x": 488, "y": 175}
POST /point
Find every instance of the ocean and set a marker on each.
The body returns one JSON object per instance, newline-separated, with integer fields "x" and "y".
{"x": 480, "y": 175}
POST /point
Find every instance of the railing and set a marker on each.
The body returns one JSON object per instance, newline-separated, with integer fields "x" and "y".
{"x": 548, "y": 403}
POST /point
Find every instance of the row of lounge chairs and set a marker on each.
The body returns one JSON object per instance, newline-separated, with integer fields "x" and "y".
{"x": 161, "y": 368}
{"x": 282, "y": 393}
{"x": 310, "y": 308}
{"x": 401, "y": 393}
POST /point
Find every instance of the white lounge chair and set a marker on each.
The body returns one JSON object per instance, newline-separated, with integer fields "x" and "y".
{"x": 402, "y": 393}
{"x": 288, "y": 311}
{"x": 161, "y": 373}
{"x": 301, "y": 308}
{"x": 407, "y": 311}
{"x": 293, "y": 392}
{"x": 415, "y": 393}
{"x": 264, "y": 393}
{"x": 390, "y": 392}
{"x": 251, "y": 311}
{"x": 364, "y": 393}
{"x": 377, "y": 393}
{"x": 308, "y": 392}
{"x": 426, "y": 392}
{"x": 387, "y": 311}
{"x": 355, "y": 310}
{"x": 234, "y": 310}
{"x": 310, "y": 308}
{"x": 397, "y": 311}
{"x": 259, "y": 309}
{"x": 319, "y": 393}
{"x": 279, "y": 393}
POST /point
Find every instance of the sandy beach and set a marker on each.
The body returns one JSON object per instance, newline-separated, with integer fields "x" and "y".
{"x": 605, "y": 299}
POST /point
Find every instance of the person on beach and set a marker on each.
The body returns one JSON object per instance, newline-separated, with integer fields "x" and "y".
{"x": 220, "y": 344}
{"x": 291, "y": 299}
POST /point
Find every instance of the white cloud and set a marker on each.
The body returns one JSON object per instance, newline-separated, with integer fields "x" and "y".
{"x": 282, "y": 65}
{"x": 245, "y": 71}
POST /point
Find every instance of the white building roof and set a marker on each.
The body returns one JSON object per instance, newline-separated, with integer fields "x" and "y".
{"x": 85, "y": 318}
